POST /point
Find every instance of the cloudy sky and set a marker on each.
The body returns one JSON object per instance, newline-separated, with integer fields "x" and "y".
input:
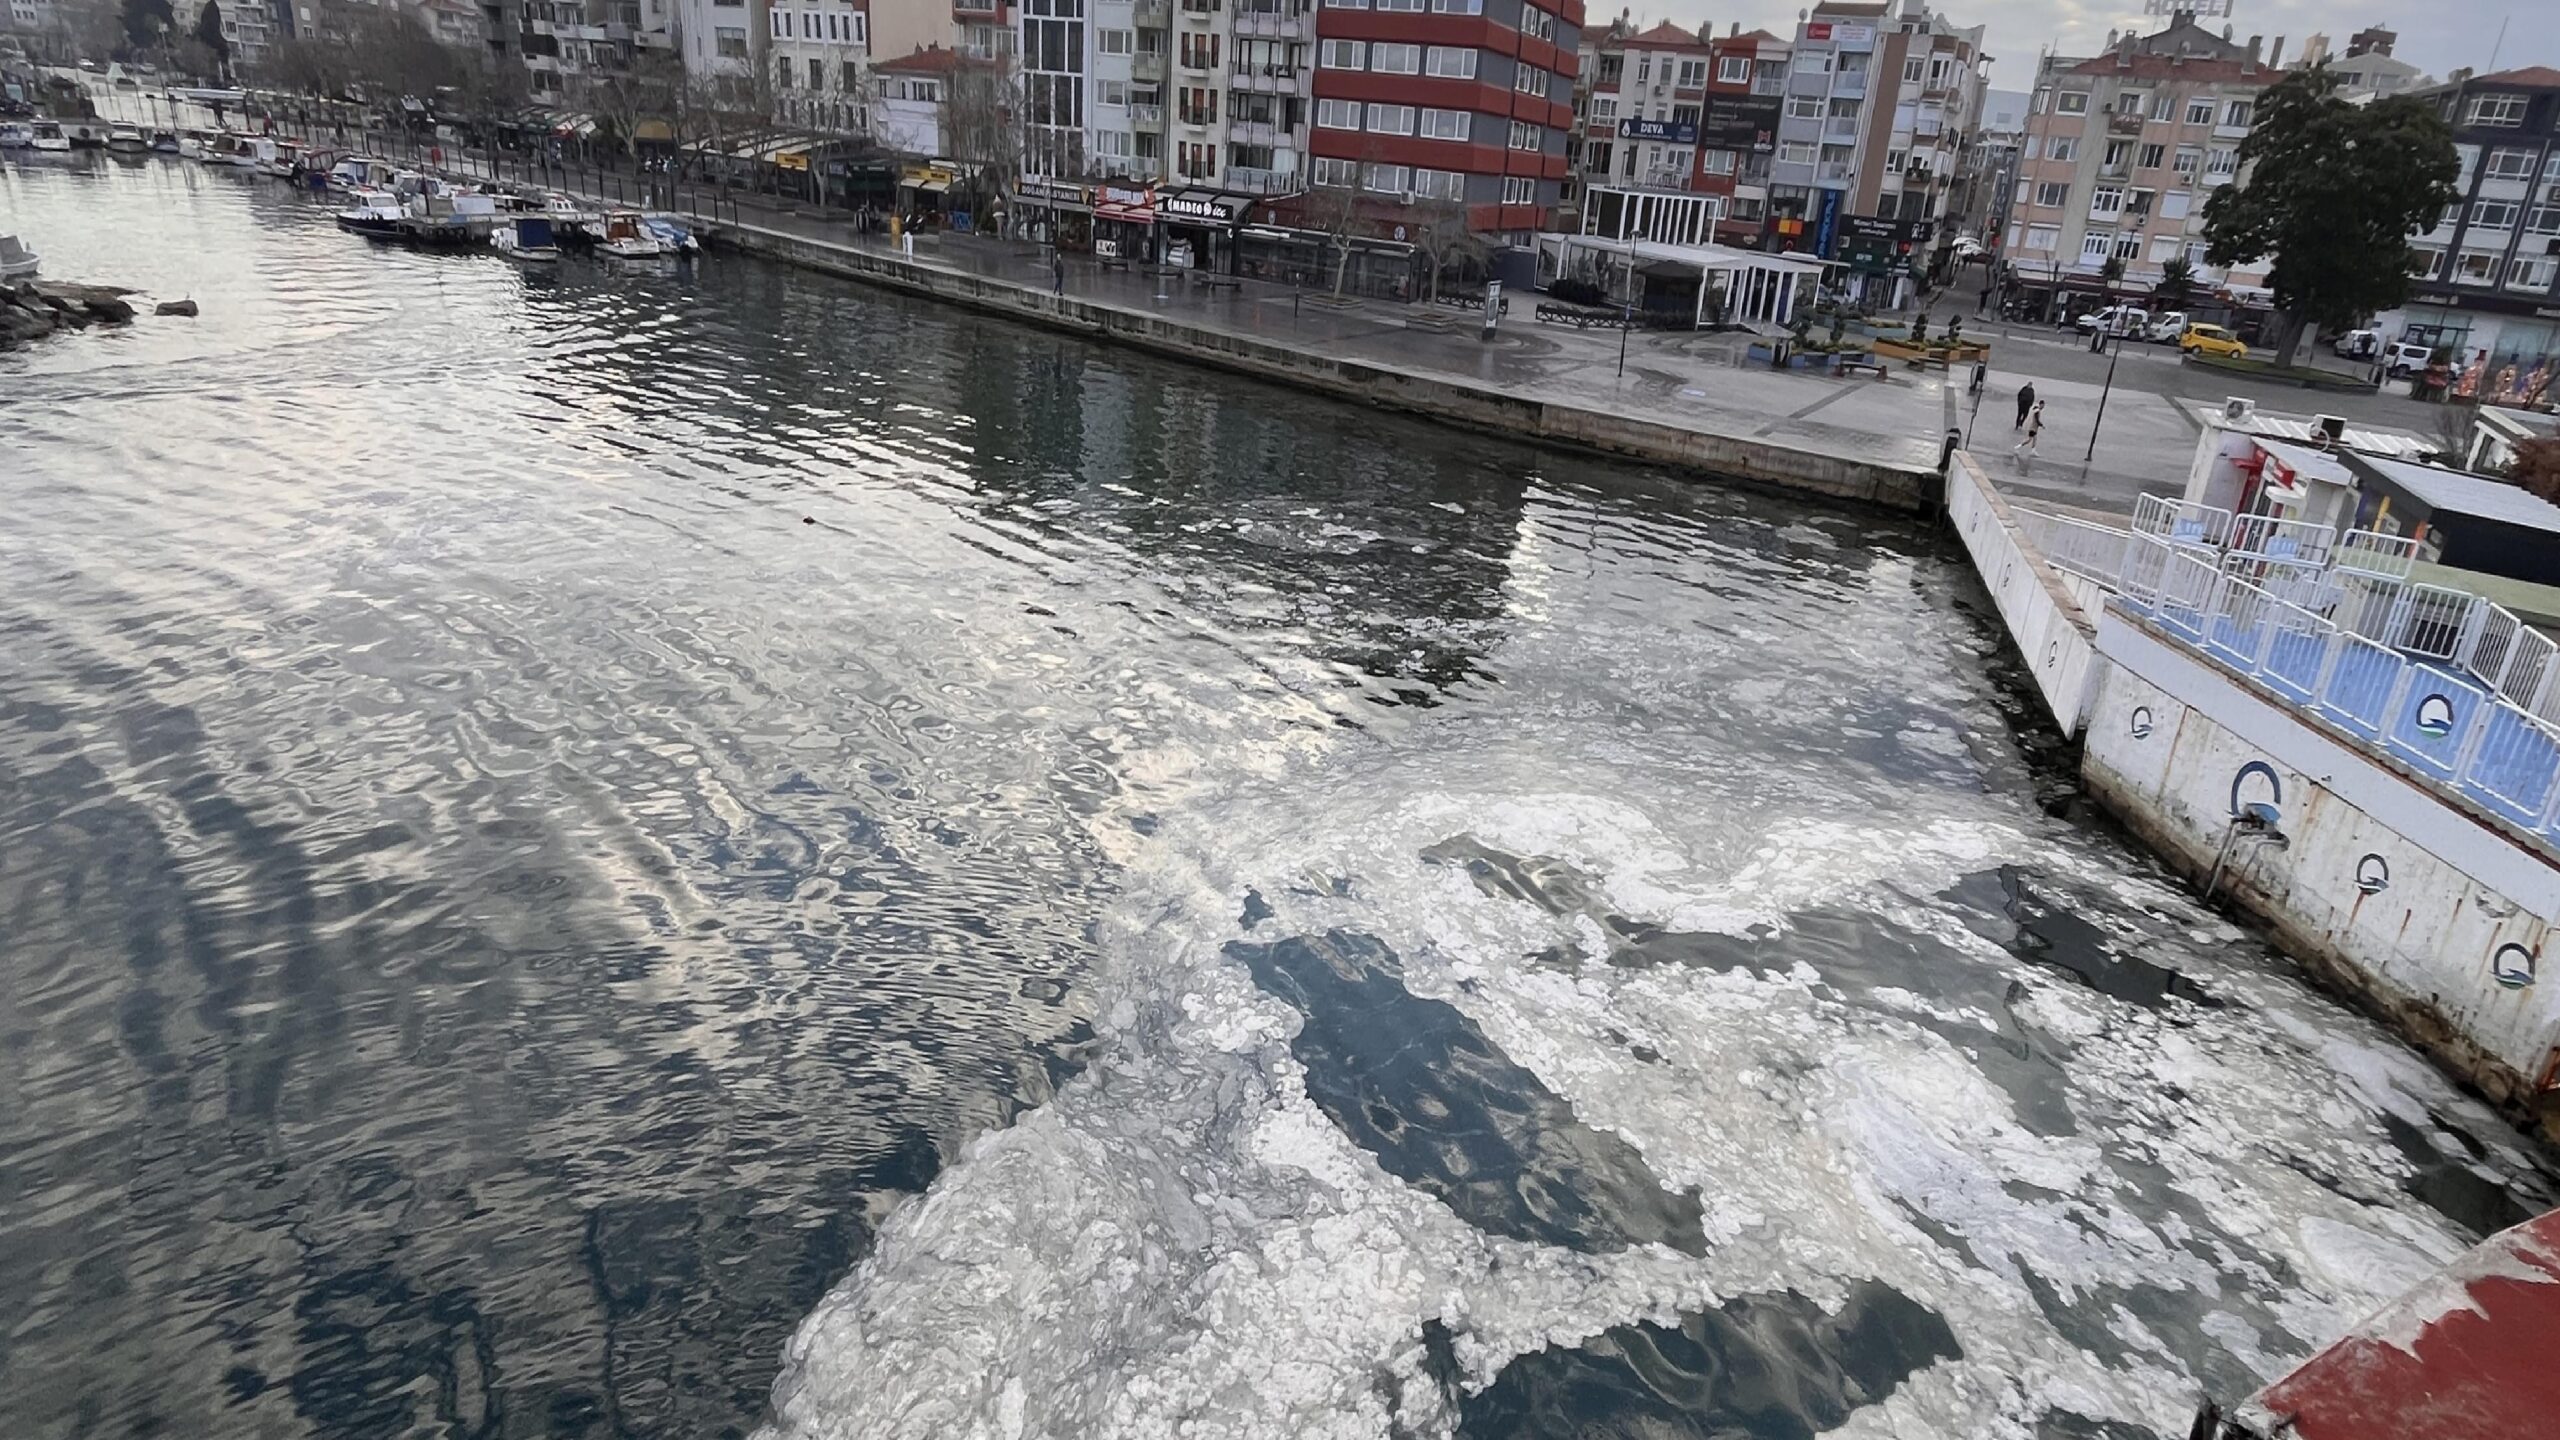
{"x": 2436, "y": 34}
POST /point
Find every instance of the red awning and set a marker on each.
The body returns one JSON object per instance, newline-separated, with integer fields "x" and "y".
{"x": 1125, "y": 214}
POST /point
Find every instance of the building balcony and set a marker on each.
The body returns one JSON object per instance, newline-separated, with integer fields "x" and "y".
{"x": 1835, "y": 172}
{"x": 1255, "y": 132}
{"x": 2121, "y": 124}
{"x": 1250, "y": 180}
{"x": 977, "y": 9}
{"x": 1147, "y": 65}
{"x": 1840, "y": 132}
{"x": 1202, "y": 7}
{"x": 1265, "y": 79}
{"x": 1849, "y": 82}
{"x": 1196, "y": 62}
{"x": 1151, "y": 116}
{"x": 1276, "y": 27}
{"x": 1197, "y": 119}
{"x": 1152, "y": 14}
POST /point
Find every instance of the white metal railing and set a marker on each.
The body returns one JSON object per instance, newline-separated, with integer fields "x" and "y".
{"x": 2370, "y": 553}
{"x": 2183, "y": 522}
{"x": 2078, "y": 546}
{"x": 2459, "y": 689}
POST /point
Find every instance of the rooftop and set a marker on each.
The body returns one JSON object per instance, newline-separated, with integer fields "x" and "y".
{"x": 2463, "y": 493}
{"x": 1666, "y": 36}
{"x": 932, "y": 60}
{"x": 2531, "y": 76}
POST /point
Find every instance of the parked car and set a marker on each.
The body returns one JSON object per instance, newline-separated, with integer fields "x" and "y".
{"x": 2358, "y": 344}
{"x": 2405, "y": 359}
{"x": 2116, "y": 320}
{"x": 2210, "y": 340}
{"x": 2166, "y": 327}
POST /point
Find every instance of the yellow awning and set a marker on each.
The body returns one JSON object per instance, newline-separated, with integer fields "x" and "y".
{"x": 653, "y": 130}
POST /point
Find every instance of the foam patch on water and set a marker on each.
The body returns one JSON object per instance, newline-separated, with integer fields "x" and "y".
{"x": 1183, "y": 1242}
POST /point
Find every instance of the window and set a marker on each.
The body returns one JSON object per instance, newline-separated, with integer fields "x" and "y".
{"x": 817, "y": 74}
{"x": 2106, "y": 202}
{"x": 2118, "y": 152}
{"x": 2052, "y": 193}
{"x": 2200, "y": 112}
{"x": 1733, "y": 69}
{"x": 1893, "y": 162}
{"x": 1804, "y": 107}
{"x": 852, "y": 76}
{"x": 782, "y": 73}
{"x": 2423, "y": 262}
{"x": 2475, "y": 267}
{"x": 1795, "y": 152}
{"x": 1338, "y": 114}
{"x": 2165, "y": 247}
{"x": 1453, "y": 125}
{"x": 778, "y": 23}
{"x": 1529, "y": 80}
{"x": 1912, "y": 68}
{"x": 1535, "y": 23}
{"x": 2532, "y": 272}
{"x": 730, "y": 42}
{"x": 1342, "y": 174}
{"x": 2503, "y": 111}
{"x": 2551, "y": 167}
{"x": 2236, "y": 112}
{"x": 1346, "y": 4}
{"x": 1439, "y": 185}
{"x": 2543, "y": 220}
{"x": 1596, "y": 156}
{"x": 1604, "y": 108}
{"x": 1410, "y": 6}
{"x": 1693, "y": 74}
{"x": 2043, "y": 237}
{"x": 1387, "y": 59}
{"x": 2095, "y": 245}
{"x": 1813, "y": 62}
{"x": 2190, "y": 162}
{"x": 1343, "y": 55}
{"x": 2221, "y": 161}
{"x": 1644, "y": 67}
{"x": 2511, "y": 164}
{"x": 2073, "y": 102}
{"x": 2151, "y": 157}
{"x": 2493, "y": 215}
{"x": 1451, "y": 62}
{"x": 2044, "y": 99}
{"x": 2163, "y": 105}
{"x": 1385, "y": 179}
{"x": 1115, "y": 42}
{"x": 1390, "y": 119}
{"x": 2173, "y": 206}
{"x": 1519, "y": 190}
{"x": 1525, "y": 136}
{"x": 2129, "y": 245}
{"x": 2062, "y": 147}
{"x": 1716, "y": 162}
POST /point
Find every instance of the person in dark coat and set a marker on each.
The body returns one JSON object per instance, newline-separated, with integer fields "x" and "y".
{"x": 2026, "y": 402}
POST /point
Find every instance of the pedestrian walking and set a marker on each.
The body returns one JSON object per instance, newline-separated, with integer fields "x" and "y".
{"x": 2026, "y": 402}
{"x": 2026, "y": 449}
{"x": 1058, "y": 271}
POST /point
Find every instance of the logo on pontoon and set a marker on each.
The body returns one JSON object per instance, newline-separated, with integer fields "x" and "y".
{"x": 2435, "y": 717}
{"x": 2140, "y": 722}
{"x": 2512, "y": 966}
{"x": 2268, "y": 791}
{"x": 2373, "y": 875}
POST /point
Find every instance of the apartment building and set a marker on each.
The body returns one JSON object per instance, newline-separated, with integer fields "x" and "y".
{"x": 1738, "y": 138}
{"x": 2368, "y": 69}
{"x": 820, "y": 52}
{"x": 2488, "y": 280}
{"x": 2122, "y": 151}
{"x": 1645, "y": 101}
{"x": 1880, "y": 102}
{"x": 1448, "y": 102}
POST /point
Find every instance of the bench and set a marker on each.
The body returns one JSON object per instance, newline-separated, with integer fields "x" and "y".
{"x": 1215, "y": 282}
{"x": 1923, "y": 362}
{"x": 1113, "y": 262}
{"x": 1872, "y": 367}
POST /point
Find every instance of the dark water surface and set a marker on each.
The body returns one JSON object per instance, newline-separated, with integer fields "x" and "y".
{"x": 537, "y": 808}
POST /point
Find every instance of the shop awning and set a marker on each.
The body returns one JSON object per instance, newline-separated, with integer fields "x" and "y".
{"x": 1202, "y": 207}
{"x": 1124, "y": 213}
{"x": 925, "y": 187}
{"x": 656, "y": 130}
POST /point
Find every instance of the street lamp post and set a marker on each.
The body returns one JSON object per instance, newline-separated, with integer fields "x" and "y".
{"x": 2109, "y": 388}
{"x": 1627, "y": 298}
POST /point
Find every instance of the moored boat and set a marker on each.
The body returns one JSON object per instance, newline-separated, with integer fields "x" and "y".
{"x": 277, "y": 159}
{"x": 17, "y": 262}
{"x": 16, "y": 135}
{"x": 165, "y": 142}
{"x": 626, "y": 238}
{"x": 2466, "y": 1352}
{"x": 376, "y": 214}
{"x": 85, "y": 134}
{"x": 47, "y": 137}
{"x": 127, "y": 140}
{"x": 525, "y": 237}
{"x": 673, "y": 235}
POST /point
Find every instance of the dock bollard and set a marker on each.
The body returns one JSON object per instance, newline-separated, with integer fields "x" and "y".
{"x": 1947, "y": 450}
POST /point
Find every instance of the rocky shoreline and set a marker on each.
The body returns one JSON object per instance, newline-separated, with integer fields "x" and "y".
{"x": 33, "y": 309}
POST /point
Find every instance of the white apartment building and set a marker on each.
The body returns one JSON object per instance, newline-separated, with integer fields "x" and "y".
{"x": 717, "y": 39}
{"x": 819, "y": 52}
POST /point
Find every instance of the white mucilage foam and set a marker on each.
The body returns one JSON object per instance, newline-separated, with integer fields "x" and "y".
{"x": 1184, "y": 1243}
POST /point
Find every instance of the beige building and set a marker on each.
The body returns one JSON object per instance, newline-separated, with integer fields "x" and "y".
{"x": 2121, "y": 152}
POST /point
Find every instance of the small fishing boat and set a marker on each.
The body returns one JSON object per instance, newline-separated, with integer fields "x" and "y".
{"x": 16, "y": 135}
{"x": 46, "y": 137}
{"x": 277, "y": 159}
{"x": 671, "y": 234}
{"x": 525, "y": 237}
{"x": 127, "y": 140}
{"x": 626, "y": 238}
{"x": 376, "y": 215}
{"x": 352, "y": 173}
{"x": 191, "y": 145}
{"x": 165, "y": 142}
{"x": 17, "y": 262}
{"x": 85, "y": 134}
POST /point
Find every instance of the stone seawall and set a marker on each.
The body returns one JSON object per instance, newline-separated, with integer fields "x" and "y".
{"x": 1448, "y": 399}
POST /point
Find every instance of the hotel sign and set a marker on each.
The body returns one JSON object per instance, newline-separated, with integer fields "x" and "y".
{"x": 1847, "y": 37}
{"x": 1677, "y": 132}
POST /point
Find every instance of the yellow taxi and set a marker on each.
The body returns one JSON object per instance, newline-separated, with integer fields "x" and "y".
{"x": 2210, "y": 340}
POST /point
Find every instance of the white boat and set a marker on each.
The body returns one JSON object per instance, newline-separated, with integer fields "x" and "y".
{"x": 237, "y": 152}
{"x": 376, "y": 214}
{"x": 46, "y": 136}
{"x": 277, "y": 158}
{"x": 126, "y": 139}
{"x": 362, "y": 172}
{"x": 166, "y": 142}
{"x": 17, "y": 262}
{"x": 525, "y": 237}
{"x": 626, "y": 237}
{"x": 16, "y": 135}
{"x": 191, "y": 145}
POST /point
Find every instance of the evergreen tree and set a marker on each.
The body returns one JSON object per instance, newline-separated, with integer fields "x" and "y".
{"x": 146, "y": 22}
{"x": 209, "y": 31}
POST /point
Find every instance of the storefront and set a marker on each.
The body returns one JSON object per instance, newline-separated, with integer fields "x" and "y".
{"x": 1200, "y": 228}
{"x": 1285, "y": 256}
{"x": 1124, "y": 222}
{"x": 1058, "y": 212}
{"x": 924, "y": 193}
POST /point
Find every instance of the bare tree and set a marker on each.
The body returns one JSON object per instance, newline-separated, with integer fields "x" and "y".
{"x": 984, "y": 127}
{"x": 644, "y": 90}
{"x": 1444, "y": 236}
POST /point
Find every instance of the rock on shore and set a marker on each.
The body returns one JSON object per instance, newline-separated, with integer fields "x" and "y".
{"x": 33, "y": 309}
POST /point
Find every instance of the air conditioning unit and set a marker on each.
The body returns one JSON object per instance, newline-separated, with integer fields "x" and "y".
{"x": 2330, "y": 428}
{"x": 2239, "y": 410}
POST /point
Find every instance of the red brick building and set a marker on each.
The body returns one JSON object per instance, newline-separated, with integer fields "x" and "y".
{"x": 1448, "y": 101}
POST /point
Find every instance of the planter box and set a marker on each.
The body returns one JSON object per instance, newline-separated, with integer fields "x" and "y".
{"x": 1760, "y": 350}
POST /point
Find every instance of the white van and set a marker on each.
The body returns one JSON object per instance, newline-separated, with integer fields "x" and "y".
{"x": 2116, "y": 320}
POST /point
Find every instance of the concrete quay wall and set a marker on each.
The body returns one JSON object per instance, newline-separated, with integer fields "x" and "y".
{"x": 2054, "y": 635}
{"x": 2388, "y": 889}
{"x": 1446, "y": 398}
